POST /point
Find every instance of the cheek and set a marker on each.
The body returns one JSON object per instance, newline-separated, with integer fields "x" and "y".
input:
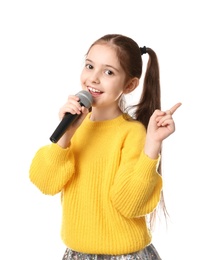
{"x": 119, "y": 89}
{"x": 82, "y": 77}
{"x": 116, "y": 93}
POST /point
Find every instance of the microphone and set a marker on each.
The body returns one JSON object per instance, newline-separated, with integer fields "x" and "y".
{"x": 85, "y": 99}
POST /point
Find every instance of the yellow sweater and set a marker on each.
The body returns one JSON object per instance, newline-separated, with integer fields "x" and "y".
{"x": 108, "y": 185}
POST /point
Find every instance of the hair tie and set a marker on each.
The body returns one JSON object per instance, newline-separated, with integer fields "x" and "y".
{"x": 143, "y": 50}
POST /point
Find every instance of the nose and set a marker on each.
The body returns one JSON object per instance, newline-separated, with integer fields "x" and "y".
{"x": 95, "y": 77}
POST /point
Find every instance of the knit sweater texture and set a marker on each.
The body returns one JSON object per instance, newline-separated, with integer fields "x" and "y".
{"x": 107, "y": 186}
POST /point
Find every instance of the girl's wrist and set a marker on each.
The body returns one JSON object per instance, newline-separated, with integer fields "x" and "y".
{"x": 152, "y": 149}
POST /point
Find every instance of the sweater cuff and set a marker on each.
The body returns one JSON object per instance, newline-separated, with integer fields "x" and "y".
{"x": 59, "y": 153}
{"x": 146, "y": 160}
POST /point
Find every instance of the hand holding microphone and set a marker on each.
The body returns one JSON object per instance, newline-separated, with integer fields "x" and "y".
{"x": 85, "y": 99}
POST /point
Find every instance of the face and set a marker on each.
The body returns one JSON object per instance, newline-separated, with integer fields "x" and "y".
{"x": 103, "y": 76}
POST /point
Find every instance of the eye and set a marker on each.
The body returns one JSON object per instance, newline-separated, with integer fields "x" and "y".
{"x": 109, "y": 72}
{"x": 89, "y": 66}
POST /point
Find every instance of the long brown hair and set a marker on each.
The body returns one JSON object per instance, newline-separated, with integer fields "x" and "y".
{"x": 130, "y": 57}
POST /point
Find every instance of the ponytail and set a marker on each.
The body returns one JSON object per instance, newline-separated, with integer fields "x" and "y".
{"x": 150, "y": 101}
{"x": 151, "y": 96}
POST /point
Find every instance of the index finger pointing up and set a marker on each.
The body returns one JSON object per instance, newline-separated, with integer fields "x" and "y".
{"x": 174, "y": 108}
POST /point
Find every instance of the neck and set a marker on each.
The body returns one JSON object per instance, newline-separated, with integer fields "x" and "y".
{"x": 98, "y": 114}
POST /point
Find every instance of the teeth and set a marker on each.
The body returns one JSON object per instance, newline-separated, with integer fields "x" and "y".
{"x": 94, "y": 90}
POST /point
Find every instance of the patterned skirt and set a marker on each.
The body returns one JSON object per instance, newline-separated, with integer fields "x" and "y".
{"x": 148, "y": 253}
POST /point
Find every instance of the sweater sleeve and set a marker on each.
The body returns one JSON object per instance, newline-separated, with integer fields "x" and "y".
{"x": 51, "y": 168}
{"x": 137, "y": 186}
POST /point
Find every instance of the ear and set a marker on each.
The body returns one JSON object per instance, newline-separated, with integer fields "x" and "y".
{"x": 131, "y": 85}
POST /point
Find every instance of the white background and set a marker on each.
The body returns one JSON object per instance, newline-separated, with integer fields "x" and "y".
{"x": 42, "y": 46}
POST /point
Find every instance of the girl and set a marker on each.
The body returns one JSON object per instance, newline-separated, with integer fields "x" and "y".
{"x": 107, "y": 164}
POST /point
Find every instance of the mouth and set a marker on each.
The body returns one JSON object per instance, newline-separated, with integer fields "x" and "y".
{"x": 95, "y": 92}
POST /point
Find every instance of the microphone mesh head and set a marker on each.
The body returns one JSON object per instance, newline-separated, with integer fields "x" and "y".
{"x": 85, "y": 98}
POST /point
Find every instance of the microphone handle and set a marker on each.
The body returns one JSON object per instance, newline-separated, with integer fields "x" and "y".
{"x": 67, "y": 120}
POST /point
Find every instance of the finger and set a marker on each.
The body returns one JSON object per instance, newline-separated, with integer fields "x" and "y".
{"x": 167, "y": 122}
{"x": 164, "y": 119}
{"x": 73, "y": 97}
{"x": 174, "y": 108}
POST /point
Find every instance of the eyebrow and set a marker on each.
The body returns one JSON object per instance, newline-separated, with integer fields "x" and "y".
{"x": 106, "y": 65}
